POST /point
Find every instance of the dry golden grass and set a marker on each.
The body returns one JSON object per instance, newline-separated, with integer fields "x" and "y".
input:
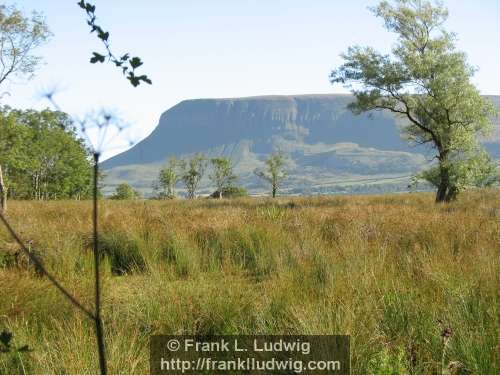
{"x": 383, "y": 269}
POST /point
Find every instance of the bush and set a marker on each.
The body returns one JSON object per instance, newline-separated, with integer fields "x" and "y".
{"x": 123, "y": 252}
{"x": 125, "y": 192}
{"x": 231, "y": 192}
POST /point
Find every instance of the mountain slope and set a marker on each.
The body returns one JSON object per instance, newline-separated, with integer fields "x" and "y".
{"x": 328, "y": 148}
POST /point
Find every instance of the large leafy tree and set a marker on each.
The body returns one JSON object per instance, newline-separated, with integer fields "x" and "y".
{"x": 13, "y": 157}
{"x": 426, "y": 81}
{"x": 19, "y": 36}
{"x": 43, "y": 157}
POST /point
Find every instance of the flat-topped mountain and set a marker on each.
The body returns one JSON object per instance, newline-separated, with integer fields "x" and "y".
{"x": 329, "y": 149}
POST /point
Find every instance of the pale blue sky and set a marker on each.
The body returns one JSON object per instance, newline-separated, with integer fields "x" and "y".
{"x": 223, "y": 48}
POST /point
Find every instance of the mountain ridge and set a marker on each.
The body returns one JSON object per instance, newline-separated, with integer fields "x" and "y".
{"x": 323, "y": 140}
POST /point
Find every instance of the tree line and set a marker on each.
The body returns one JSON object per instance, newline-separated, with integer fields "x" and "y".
{"x": 41, "y": 156}
{"x": 191, "y": 171}
{"x": 426, "y": 80}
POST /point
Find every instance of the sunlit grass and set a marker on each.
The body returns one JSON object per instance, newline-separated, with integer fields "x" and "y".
{"x": 383, "y": 269}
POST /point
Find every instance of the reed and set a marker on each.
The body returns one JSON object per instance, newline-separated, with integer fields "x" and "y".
{"x": 392, "y": 271}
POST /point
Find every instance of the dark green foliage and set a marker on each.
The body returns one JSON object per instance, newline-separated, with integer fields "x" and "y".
{"x": 127, "y": 64}
{"x": 123, "y": 252}
{"x": 231, "y": 192}
{"x": 14, "y": 354}
{"x": 42, "y": 157}
{"x": 5, "y": 339}
{"x": 252, "y": 249}
{"x": 19, "y": 36}
{"x": 6, "y": 343}
{"x": 472, "y": 169}
{"x": 234, "y": 192}
{"x": 125, "y": 192}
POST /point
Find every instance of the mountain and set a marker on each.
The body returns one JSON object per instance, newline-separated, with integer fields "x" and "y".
{"x": 328, "y": 148}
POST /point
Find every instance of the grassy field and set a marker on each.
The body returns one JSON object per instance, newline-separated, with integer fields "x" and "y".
{"x": 392, "y": 271}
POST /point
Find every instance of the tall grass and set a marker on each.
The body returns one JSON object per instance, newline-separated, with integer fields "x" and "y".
{"x": 391, "y": 271}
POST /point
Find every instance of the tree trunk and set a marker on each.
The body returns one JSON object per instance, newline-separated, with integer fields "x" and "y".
{"x": 3, "y": 193}
{"x": 441, "y": 192}
{"x": 220, "y": 193}
{"x": 444, "y": 182}
{"x": 452, "y": 194}
{"x": 274, "y": 191}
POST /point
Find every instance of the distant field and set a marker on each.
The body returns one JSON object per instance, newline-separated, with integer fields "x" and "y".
{"x": 384, "y": 269}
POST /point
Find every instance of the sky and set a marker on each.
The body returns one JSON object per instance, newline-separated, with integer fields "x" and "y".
{"x": 220, "y": 49}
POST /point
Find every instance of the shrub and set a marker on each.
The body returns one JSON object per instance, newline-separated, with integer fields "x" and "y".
{"x": 231, "y": 192}
{"x": 123, "y": 252}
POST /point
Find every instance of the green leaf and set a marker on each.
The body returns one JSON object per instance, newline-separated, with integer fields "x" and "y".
{"x": 134, "y": 80}
{"x": 145, "y": 79}
{"x": 135, "y": 62}
{"x": 103, "y": 35}
{"x": 97, "y": 58}
{"x": 90, "y": 8}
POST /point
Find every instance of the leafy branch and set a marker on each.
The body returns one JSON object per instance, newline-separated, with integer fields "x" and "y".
{"x": 127, "y": 64}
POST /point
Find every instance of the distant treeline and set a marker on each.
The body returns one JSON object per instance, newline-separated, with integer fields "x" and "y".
{"x": 42, "y": 157}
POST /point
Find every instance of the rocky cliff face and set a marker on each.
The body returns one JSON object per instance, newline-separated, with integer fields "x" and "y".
{"x": 328, "y": 148}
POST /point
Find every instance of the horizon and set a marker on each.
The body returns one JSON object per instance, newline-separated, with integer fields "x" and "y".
{"x": 242, "y": 213}
{"x": 189, "y": 53}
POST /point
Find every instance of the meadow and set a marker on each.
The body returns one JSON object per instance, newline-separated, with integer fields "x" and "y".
{"x": 413, "y": 283}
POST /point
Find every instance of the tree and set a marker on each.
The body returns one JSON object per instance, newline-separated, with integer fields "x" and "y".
{"x": 18, "y": 55}
{"x": 42, "y": 156}
{"x": 12, "y": 156}
{"x": 222, "y": 175}
{"x": 274, "y": 173}
{"x": 125, "y": 192}
{"x": 477, "y": 170}
{"x": 426, "y": 81}
{"x": 193, "y": 171}
{"x": 168, "y": 179}
{"x": 19, "y": 36}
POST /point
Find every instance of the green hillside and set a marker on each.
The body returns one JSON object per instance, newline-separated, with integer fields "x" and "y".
{"x": 328, "y": 148}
